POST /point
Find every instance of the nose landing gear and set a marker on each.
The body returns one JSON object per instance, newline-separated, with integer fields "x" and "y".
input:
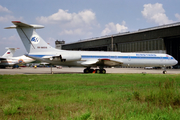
{"x": 164, "y": 72}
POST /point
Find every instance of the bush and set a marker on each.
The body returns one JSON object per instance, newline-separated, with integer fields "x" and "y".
{"x": 9, "y": 109}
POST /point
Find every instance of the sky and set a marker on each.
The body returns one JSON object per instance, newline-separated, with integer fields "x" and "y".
{"x": 74, "y": 20}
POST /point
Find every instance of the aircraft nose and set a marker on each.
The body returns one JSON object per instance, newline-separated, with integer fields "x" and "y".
{"x": 176, "y": 62}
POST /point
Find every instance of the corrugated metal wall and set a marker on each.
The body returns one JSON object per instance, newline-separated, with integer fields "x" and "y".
{"x": 145, "y": 45}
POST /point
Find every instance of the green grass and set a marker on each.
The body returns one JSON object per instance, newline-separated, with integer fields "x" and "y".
{"x": 90, "y": 97}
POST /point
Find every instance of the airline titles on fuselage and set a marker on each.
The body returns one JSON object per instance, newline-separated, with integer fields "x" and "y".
{"x": 146, "y": 55}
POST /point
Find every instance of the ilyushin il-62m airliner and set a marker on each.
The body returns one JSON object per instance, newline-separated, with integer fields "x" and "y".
{"x": 38, "y": 49}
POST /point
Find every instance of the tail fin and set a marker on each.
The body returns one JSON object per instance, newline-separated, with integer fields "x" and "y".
{"x": 9, "y": 52}
{"x": 31, "y": 40}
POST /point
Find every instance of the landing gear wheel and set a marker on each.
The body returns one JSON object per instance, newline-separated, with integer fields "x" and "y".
{"x": 103, "y": 71}
{"x": 86, "y": 70}
{"x": 91, "y": 70}
{"x": 97, "y": 71}
{"x": 164, "y": 72}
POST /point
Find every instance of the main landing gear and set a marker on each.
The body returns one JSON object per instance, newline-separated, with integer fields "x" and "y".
{"x": 89, "y": 70}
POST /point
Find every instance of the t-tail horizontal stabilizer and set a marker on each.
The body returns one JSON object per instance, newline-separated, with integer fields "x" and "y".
{"x": 31, "y": 40}
{"x": 24, "y": 25}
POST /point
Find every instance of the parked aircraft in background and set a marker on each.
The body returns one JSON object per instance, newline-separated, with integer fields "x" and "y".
{"x": 7, "y": 60}
{"x": 9, "y": 52}
{"x": 39, "y": 50}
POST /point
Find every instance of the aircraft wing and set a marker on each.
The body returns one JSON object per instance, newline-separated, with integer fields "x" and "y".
{"x": 41, "y": 58}
{"x": 86, "y": 63}
{"x": 35, "y": 58}
{"x": 3, "y": 58}
{"x": 109, "y": 62}
{"x": 89, "y": 62}
{"x": 104, "y": 62}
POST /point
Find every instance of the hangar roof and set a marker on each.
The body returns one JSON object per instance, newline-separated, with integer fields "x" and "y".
{"x": 132, "y": 32}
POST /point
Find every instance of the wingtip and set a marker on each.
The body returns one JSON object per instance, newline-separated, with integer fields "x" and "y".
{"x": 16, "y": 21}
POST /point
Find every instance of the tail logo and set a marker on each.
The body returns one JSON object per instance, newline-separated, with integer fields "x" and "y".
{"x": 35, "y": 40}
{"x": 20, "y": 61}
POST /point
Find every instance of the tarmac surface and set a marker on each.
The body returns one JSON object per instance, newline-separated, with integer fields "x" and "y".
{"x": 79, "y": 70}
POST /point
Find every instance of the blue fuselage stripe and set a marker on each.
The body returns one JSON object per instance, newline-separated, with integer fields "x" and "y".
{"x": 39, "y": 56}
{"x": 123, "y": 57}
{"x": 114, "y": 57}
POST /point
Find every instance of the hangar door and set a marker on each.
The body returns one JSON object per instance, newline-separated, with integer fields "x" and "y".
{"x": 173, "y": 47}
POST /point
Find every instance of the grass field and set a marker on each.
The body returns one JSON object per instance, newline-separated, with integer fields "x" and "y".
{"x": 90, "y": 97}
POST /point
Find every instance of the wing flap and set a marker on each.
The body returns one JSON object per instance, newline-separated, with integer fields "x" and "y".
{"x": 104, "y": 62}
{"x": 89, "y": 62}
{"x": 109, "y": 62}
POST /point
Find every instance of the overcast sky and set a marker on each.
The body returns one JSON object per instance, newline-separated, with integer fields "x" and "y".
{"x": 74, "y": 20}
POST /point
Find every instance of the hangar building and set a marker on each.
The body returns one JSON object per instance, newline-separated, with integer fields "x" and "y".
{"x": 160, "y": 39}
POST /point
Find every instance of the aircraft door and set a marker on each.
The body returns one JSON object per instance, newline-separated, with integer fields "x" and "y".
{"x": 161, "y": 59}
{"x": 129, "y": 58}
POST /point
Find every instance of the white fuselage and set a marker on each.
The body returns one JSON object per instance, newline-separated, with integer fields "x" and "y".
{"x": 38, "y": 49}
{"x": 127, "y": 59}
{"x": 10, "y": 61}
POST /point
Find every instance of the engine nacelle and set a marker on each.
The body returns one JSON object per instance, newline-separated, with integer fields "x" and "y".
{"x": 67, "y": 57}
{"x": 70, "y": 57}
